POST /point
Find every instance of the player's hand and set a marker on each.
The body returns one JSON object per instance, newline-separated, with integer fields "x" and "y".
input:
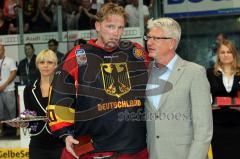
{"x": 70, "y": 141}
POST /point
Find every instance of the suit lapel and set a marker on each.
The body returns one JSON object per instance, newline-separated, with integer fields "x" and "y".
{"x": 173, "y": 78}
{"x": 37, "y": 94}
{"x": 150, "y": 68}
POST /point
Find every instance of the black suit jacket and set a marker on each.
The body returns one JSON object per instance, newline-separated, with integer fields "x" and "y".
{"x": 34, "y": 101}
{"x": 32, "y": 74}
{"x": 40, "y": 132}
{"x": 217, "y": 86}
{"x": 224, "y": 115}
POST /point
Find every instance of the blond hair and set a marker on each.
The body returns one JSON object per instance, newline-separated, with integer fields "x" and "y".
{"x": 46, "y": 55}
{"x": 170, "y": 27}
{"x": 110, "y": 9}
{"x": 235, "y": 63}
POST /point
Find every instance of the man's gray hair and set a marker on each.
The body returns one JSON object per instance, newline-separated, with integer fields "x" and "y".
{"x": 170, "y": 27}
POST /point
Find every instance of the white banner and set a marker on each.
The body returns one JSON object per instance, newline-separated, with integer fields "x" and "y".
{"x": 182, "y": 8}
{"x": 133, "y": 32}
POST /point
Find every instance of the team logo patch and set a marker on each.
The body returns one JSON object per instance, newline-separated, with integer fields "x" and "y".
{"x": 138, "y": 53}
{"x": 116, "y": 78}
{"x": 81, "y": 57}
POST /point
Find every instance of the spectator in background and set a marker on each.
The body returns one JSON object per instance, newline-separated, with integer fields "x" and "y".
{"x": 8, "y": 9}
{"x": 53, "y": 9}
{"x": 29, "y": 10}
{"x": 4, "y": 25}
{"x": 8, "y": 71}
{"x": 224, "y": 79}
{"x": 96, "y": 4}
{"x": 27, "y": 70}
{"x": 149, "y": 3}
{"x": 220, "y": 37}
{"x": 13, "y": 26}
{"x": 86, "y": 16}
{"x": 53, "y": 45}
{"x": 41, "y": 21}
{"x": 68, "y": 15}
{"x": 133, "y": 13}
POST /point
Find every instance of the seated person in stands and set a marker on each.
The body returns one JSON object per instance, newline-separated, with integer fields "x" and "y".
{"x": 224, "y": 79}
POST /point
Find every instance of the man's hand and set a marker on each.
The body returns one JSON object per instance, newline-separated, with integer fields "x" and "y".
{"x": 70, "y": 141}
{"x": 3, "y": 87}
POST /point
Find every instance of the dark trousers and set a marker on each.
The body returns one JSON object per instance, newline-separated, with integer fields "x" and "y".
{"x": 36, "y": 152}
{"x": 226, "y": 134}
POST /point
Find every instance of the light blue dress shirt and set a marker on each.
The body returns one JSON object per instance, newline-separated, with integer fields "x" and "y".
{"x": 157, "y": 74}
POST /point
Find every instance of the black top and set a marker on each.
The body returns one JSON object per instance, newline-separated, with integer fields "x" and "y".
{"x": 40, "y": 133}
{"x": 223, "y": 116}
{"x": 41, "y": 24}
{"x": 108, "y": 108}
{"x": 60, "y": 57}
{"x": 85, "y": 22}
{"x": 217, "y": 86}
{"x": 28, "y": 72}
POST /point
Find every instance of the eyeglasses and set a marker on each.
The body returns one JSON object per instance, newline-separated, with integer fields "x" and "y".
{"x": 155, "y": 38}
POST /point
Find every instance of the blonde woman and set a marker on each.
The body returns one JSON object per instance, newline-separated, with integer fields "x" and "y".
{"x": 224, "y": 80}
{"x": 42, "y": 143}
